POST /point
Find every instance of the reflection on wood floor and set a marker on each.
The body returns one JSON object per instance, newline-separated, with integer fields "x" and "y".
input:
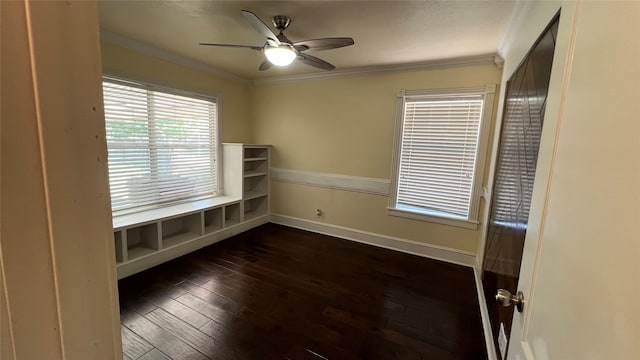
{"x": 280, "y": 293}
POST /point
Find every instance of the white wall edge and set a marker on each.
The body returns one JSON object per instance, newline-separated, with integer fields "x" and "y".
{"x": 486, "y": 59}
{"x": 332, "y": 181}
{"x": 517, "y": 16}
{"x": 484, "y": 314}
{"x": 441, "y": 253}
{"x": 153, "y": 51}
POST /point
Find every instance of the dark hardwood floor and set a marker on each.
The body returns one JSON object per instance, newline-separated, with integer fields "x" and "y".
{"x": 280, "y": 293}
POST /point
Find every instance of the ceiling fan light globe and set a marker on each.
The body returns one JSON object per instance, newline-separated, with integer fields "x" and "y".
{"x": 281, "y": 55}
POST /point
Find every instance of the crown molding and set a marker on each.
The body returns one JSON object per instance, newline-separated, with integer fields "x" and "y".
{"x": 169, "y": 56}
{"x": 486, "y": 59}
{"x": 153, "y": 51}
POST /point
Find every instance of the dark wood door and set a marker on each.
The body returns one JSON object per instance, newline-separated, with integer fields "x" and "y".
{"x": 523, "y": 117}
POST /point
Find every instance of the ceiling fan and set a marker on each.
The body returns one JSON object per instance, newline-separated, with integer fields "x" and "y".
{"x": 281, "y": 51}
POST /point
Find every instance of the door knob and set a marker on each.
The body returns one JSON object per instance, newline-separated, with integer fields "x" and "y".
{"x": 505, "y": 298}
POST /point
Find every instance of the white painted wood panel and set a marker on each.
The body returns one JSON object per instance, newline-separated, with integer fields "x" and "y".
{"x": 57, "y": 240}
{"x": 582, "y": 246}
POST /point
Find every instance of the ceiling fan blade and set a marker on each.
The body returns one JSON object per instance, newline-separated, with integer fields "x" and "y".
{"x": 266, "y": 65}
{"x": 258, "y": 48}
{"x": 323, "y": 44}
{"x": 260, "y": 27}
{"x": 315, "y": 62}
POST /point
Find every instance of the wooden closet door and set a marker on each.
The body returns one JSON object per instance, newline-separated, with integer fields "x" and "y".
{"x": 515, "y": 172}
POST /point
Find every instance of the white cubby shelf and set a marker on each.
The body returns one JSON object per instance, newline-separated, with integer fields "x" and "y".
{"x": 148, "y": 238}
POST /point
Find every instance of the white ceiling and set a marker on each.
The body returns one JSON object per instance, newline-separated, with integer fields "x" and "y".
{"x": 385, "y": 32}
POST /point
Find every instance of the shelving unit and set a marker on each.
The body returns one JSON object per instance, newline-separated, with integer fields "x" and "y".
{"x": 253, "y": 176}
{"x": 255, "y": 182}
{"x": 148, "y": 238}
{"x": 255, "y": 192}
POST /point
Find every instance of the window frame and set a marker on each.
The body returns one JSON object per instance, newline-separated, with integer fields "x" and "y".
{"x": 215, "y": 98}
{"x": 487, "y": 92}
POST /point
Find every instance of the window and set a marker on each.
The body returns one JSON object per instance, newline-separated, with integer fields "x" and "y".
{"x": 437, "y": 165}
{"x": 162, "y": 145}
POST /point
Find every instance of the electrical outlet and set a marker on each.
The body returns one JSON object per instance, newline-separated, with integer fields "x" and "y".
{"x": 320, "y": 213}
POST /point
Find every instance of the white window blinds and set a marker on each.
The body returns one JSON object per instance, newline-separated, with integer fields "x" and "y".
{"x": 440, "y": 136}
{"x": 162, "y": 146}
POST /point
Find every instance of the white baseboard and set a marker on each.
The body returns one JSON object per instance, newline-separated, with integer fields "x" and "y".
{"x": 403, "y": 245}
{"x": 484, "y": 313}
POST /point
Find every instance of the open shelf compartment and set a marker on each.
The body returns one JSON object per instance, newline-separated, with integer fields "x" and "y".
{"x": 181, "y": 229}
{"x": 255, "y": 186}
{"x": 142, "y": 240}
{"x": 256, "y": 207}
{"x": 231, "y": 214}
{"x": 255, "y": 167}
{"x": 251, "y": 153}
{"x": 213, "y": 220}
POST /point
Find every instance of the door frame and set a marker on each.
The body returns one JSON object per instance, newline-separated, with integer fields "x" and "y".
{"x": 524, "y": 31}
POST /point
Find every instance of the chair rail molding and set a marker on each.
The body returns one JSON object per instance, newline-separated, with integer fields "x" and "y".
{"x": 366, "y": 185}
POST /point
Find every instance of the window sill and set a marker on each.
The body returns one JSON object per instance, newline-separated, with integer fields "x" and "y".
{"x": 151, "y": 215}
{"x": 467, "y": 224}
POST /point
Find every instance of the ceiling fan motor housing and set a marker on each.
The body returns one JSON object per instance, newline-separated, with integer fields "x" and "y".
{"x": 281, "y": 22}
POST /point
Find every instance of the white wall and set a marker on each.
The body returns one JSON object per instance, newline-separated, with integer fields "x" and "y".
{"x": 345, "y": 127}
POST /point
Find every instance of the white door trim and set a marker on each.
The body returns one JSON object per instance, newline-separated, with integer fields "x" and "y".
{"x": 484, "y": 314}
